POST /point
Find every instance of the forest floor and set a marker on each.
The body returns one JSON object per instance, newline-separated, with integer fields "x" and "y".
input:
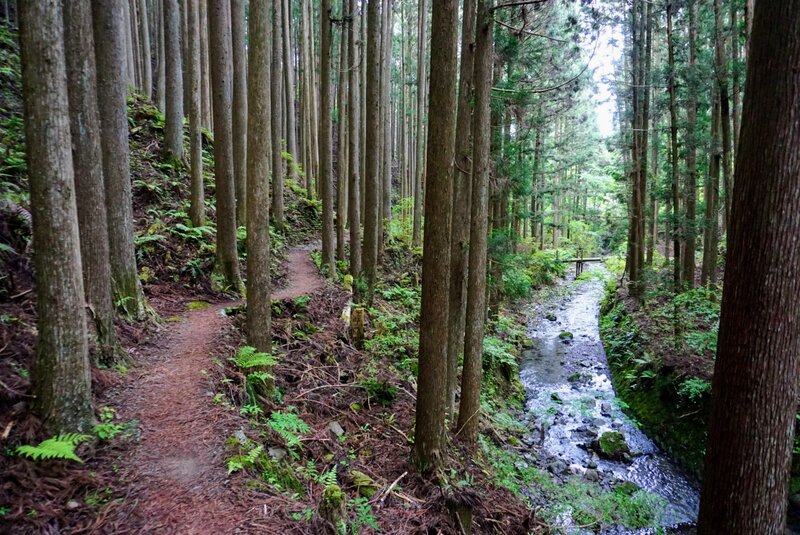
{"x": 176, "y": 474}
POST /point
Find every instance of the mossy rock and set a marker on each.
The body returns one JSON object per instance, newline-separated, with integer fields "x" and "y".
{"x": 566, "y": 336}
{"x": 366, "y": 485}
{"x": 551, "y": 317}
{"x": 612, "y": 445}
{"x": 198, "y": 305}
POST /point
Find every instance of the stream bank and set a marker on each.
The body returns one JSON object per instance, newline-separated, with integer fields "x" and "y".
{"x": 618, "y": 479}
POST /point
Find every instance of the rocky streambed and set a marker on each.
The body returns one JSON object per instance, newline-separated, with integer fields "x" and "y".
{"x": 577, "y": 426}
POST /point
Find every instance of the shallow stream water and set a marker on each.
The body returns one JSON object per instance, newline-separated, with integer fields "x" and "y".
{"x": 570, "y": 402}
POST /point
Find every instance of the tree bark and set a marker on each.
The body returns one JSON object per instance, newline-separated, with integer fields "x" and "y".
{"x": 353, "y": 139}
{"x": 258, "y": 169}
{"x": 386, "y": 99}
{"x": 277, "y": 118}
{"x": 369, "y": 254}
{"x": 419, "y": 174}
{"x": 87, "y": 158}
{"x": 432, "y": 382}
{"x": 109, "y": 33}
{"x": 342, "y": 145}
{"x": 173, "y": 126}
{"x": 460, "y": 204}
{"x": 711, "y": 197}
{"x": 289, "y": 77}
{"x": 325, "y": 139}
{"x": 147, "y": 60}
{"x": 240, "y": 103}
{"x": 758, "y": 357}
{"x": 677, "y": 276}
{"x": 61, "y": 381}
{"x": 690, "y": 225}
{"x": 161, "y": 67}
{"x": 222, "y": 87}
{"x": 197, "y": 203}
{"x": 469, "y": 406}
{"x": 721, "y": 71}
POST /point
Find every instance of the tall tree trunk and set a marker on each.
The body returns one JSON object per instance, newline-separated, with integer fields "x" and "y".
{"x": 758, "y": 357}
{"x": 325, "y": 139}
{"x": 369, "y": 255}
{"x": 239, "y": 108}
{"x": 353, "y": 139}
{"x": 386, "y": 78}
{"x": 470, "y": 403}
{"x": 711, "y": 197}
{"x": 109, "y": 33}
{"x": 161, "y": 67}
{"x": 222, "y": 88}
{"x": 289, "y": 75}
{"x": 460, "y": 204}
{"x": 147, "y": 60}
{"x": 87, "y": 158}
{"x": 690, "y": 225}
{"x": 258, "y": 169}
{"x": 197, "y": 210}
{"x": 205, "y": 68}
{"x": 342, "y": 146}
{"x": 677, "y": 277}
{"x": 429, "y": 443}
{"x": 173, "y": 126}
{"x": 419, "y": 173}
{"x": 277, "y": 118}
{"x": 721, "y": 70}
{"x": 61, "y": 381}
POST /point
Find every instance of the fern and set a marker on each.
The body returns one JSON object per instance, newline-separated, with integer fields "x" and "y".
{"x": 58, "y": 447}
{"x": 328, "y": 478}
{"x": 248, "y": 357}
{"x": 289, "y": 426}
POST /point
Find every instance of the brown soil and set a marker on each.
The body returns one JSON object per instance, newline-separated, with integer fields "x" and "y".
{"x": 303, "y": 278}
{"x": 176, "y": 474}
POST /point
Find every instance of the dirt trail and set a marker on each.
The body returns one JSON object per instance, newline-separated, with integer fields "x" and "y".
{"x": 176, "y": 474}
{"x": 303, "y": 275}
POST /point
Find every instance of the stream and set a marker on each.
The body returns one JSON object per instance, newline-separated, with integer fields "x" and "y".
{"x": 570, "y": 402}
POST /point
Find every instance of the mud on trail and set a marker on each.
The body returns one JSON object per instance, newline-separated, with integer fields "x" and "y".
{"x": 175, "y": 475}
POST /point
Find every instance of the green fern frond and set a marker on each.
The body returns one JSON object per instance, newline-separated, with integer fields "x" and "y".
{"x": 289, "y": 426}
{"x": 255, "y": 453}
{"x": 58, "y": 447}
{"x": 235, "y": 464}
{"x": 248, "y": 357}
{"x": 328, "y": 479}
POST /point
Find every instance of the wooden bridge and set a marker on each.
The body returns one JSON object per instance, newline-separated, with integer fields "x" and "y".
{"x": 579, "y": 262}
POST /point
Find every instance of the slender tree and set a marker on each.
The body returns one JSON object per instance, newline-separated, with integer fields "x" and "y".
{"x": 258, "y": 169}
{"x": 173, "y": 125}
{"x": 469, "y": 406}
{"x": 757, "y": 368}
{"x": 144, "y": 38}
{"x": 341, "y": 155}
{"x": 371, "y": 171}
{"x": 109, "y": 34}
{"x": 460, "y": 205}
{"x": 419, "y": 172}
{"x": 277, "y": 117}
{"x": 222, "y": 82}
{"x": 325, "y": 139}
{"x": 61, "y": 382}
{"x": 240, "y": 103}
{"x": 353, "y": 139}
{"x": 87, "y": 158}
{"x": 161, "y": 68}
{"x": 431, "y": 393}
{"x": 289, "y": 77}
{"x": 197, "y": 202}
{"x": 690, "y": 225}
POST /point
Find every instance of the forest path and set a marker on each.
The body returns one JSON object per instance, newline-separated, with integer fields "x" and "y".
{"x": 176, "y": 474}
